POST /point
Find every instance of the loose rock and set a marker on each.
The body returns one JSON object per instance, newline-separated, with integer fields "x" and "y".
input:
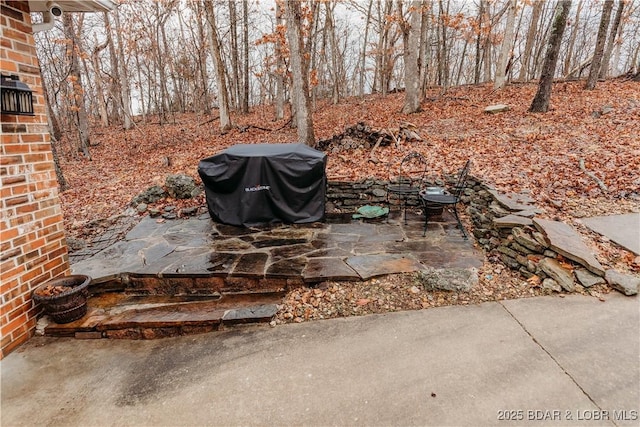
{"x": 558, "y": 273}
{"x": 150, "y": 195}
{"x": 449, "y": 279}
{"x": 181, "y": 186}
{"x": 551, "y": 284}
{"x": 624, "y": 283}
{"x": 587, "y": 278}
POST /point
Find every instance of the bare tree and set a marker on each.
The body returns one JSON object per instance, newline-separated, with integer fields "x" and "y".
{"x": 411, "y": 52}
{"x": 531, "y": 36}
{"x": 125, "y": 94}
{"x": 540, "y": 102}
{"x": 218, "y": 68}
{"x": 594, "y": 71}
{"x": 79, "y": 108}
{"x": 572, "y": 40}
{"x": 99, "y": 82}
{"x": 245, "y": 59}
{"x": 363, "y": 54}
{"x": 301, "y": 100}
{"x": 280, "y": 64}
{"x": 507, "y": 46}
{"x": 613, "y": 34}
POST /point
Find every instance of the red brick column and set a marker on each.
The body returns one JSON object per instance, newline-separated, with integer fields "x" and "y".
{"x": 33, "y": 247}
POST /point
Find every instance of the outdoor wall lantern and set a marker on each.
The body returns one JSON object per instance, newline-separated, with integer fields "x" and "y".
{"x": 17, "y": 98}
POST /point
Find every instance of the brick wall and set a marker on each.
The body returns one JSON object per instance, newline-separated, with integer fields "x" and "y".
{"x": 33, "y": 247}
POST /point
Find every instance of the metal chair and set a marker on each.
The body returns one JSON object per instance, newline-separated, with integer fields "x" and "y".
{"x": 408, "y": 180}
{"x": 448, "y": 199}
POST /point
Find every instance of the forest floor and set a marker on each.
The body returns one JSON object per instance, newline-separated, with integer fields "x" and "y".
{"x": 513, "y": 150}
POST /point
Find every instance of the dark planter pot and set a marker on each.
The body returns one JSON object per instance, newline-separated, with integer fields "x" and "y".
{"x": 69, "y": 305}
{"x": 434, "y": 209}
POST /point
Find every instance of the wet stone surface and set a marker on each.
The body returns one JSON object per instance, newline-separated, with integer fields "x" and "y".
{"x": 191, "y": 276}
{"x": 340, "y": 249}
{"x": 320, "y": 269}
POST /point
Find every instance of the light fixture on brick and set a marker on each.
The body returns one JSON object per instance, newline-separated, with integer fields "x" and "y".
{"x": 17, "y": 98}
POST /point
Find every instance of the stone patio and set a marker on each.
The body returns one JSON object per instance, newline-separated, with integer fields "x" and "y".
{"x": 339, "y": 249}
{"x": 176, "y": 277}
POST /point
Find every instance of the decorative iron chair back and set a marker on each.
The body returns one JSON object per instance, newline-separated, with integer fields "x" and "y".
{"x": 408, "y": 176}
{"x": 462, "y": 179}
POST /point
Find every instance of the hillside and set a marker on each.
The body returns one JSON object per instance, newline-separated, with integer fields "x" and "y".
{"x": 514, "y": 150}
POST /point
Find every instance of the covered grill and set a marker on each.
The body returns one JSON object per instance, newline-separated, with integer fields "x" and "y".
{"x": 253, "y": 184}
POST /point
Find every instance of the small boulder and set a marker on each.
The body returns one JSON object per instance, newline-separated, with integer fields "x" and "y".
{"x": 587, "y": 278}
{"x": 150, "y": 195}
{"x": 449, "y": 279}
{"x": 181, "y": 186}
{"x": 498, "y": 108}
{"x": 625, "y": 283}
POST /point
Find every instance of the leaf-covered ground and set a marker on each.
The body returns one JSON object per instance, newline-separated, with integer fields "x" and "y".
{"x": 514, "y": 150}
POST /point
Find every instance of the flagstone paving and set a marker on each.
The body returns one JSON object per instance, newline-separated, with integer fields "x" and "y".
{"x": 311, "y": 252}
{"x": 179, "y": 277}
{"x": 622, "y": 229}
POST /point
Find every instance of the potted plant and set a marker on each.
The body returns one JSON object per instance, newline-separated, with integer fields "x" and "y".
{"x": 64, "y": 299}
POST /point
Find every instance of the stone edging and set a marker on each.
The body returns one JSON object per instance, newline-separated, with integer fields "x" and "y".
{"x": 510, "y": 229}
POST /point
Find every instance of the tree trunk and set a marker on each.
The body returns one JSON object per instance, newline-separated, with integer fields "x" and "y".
{"x": 540, "y": 102}
{"x": 363, "y": 56}
{"x": 334, "y": 69}
{"x": 572, "y": 41}
{"x": 476, "y": 70}
{"x": 443, "y": 63}
{"x": 245, "y": 44}
{"x": 79, "y": 108}
{"x": 423, "y": 59}
{"x": 594, "y": 71}
{"x": 125, "y": 92}
{"x": 202, "y": 61}
{"x": 618, "y": 44}
{"x": 531, "y": 37}
{"x": 411, "y": 52}
{"x": 115, "y": 81}
{"x": 102, "y": 104}
{"x": 300, "y": 72}
{"x": 218, "y": 69}
{"x": 236, "y": 89}
{"x": 604, "y": 68}
{"x": 280, "y": 65}
{"x": 507, "y": 46}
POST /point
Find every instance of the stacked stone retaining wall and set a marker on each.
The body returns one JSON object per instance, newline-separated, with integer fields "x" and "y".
{"x": 510, "y": 229}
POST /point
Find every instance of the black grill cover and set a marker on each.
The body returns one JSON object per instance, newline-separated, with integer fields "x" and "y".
{"x": 253, "y": 184}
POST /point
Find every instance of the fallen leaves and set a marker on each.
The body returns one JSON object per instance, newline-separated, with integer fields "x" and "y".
{"x": 514, "y": 150}
{"x": 53, "y": 290}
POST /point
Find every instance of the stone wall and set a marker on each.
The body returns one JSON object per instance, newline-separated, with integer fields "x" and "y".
{"x": 511, "y": 230}
{"x": 33, "y": 247}
{"x": 349, "y": 195}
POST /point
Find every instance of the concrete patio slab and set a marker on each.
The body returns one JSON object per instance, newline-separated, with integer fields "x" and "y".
{"x": 539, "y": 361}
{"x": 622, "y": 229}
{"x": 613, "y": 338}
